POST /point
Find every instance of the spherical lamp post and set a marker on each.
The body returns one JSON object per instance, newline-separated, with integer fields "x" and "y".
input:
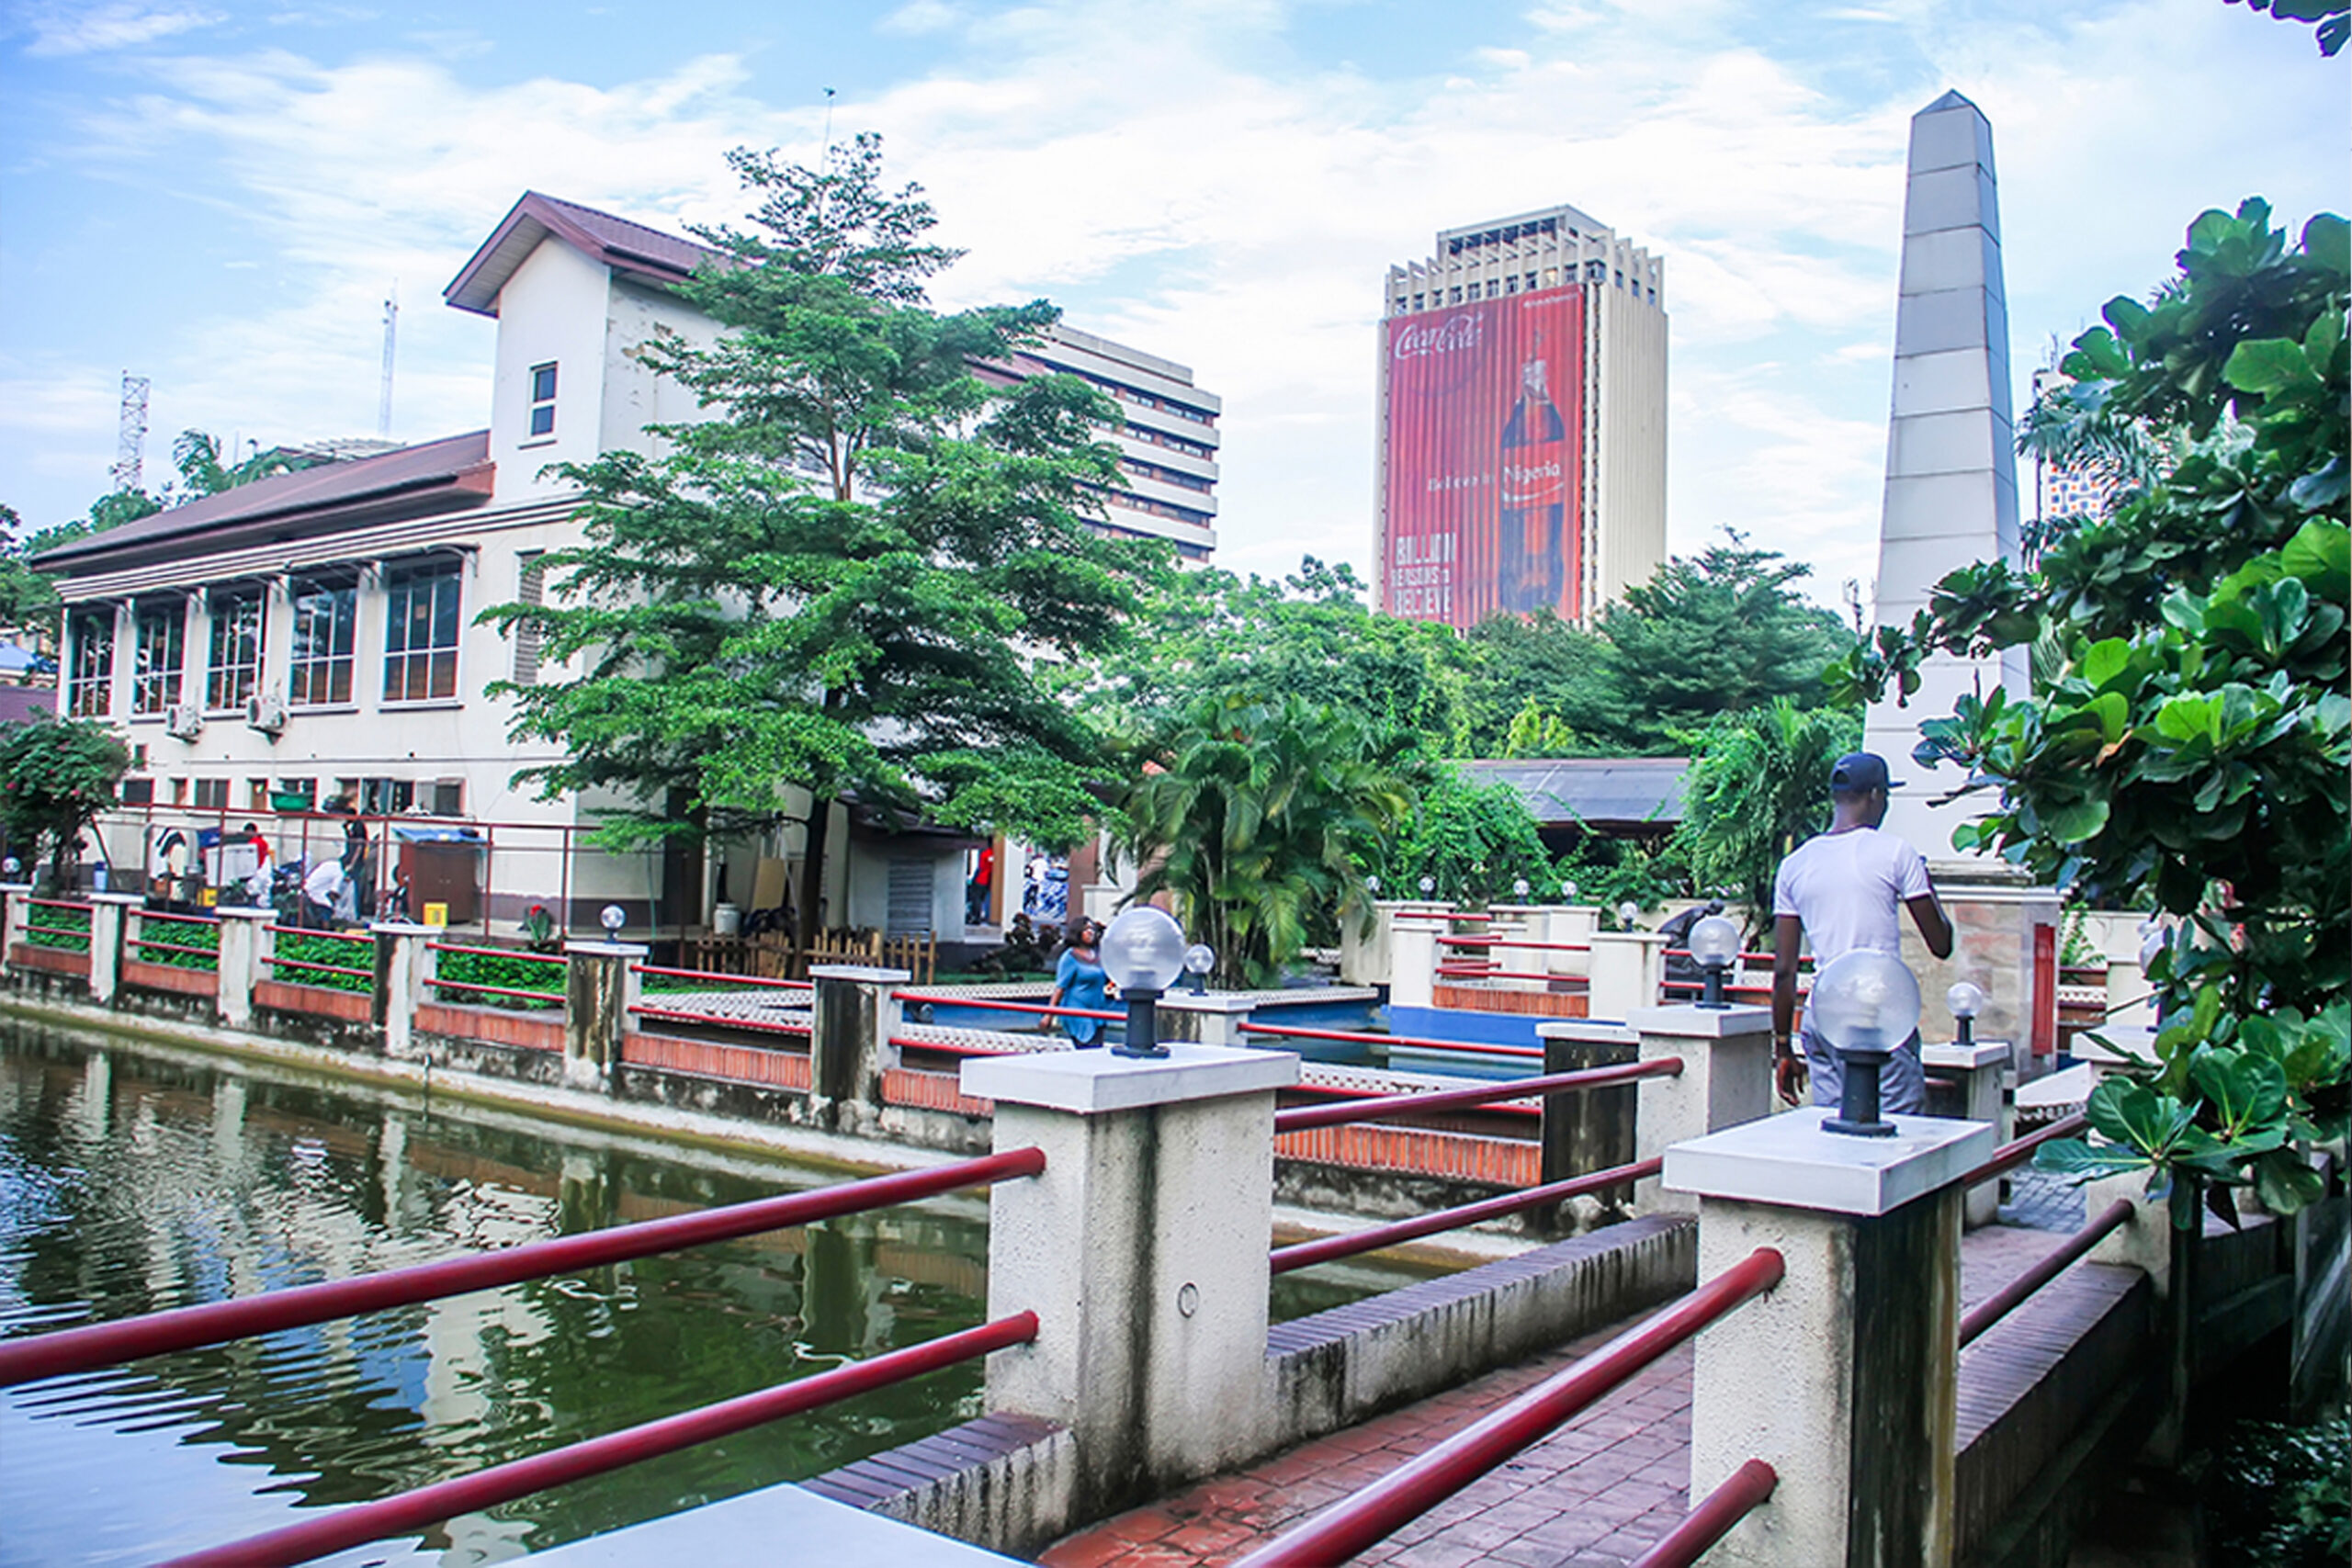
{"x": 1199, "y": 959}
{"x": 1965, "y": 1000}
{"x": 1865, "y": 1004}
{"x": 12, "y": 868}
{"x": 1714, "y": 942}
{"x": 1428, "y": 886}
{"x": 1143, "y": 952}
{"x": 1628, "y": 914}
{"x": 1569, "y": 892}
{"x": 1519, "y": 889}
{"x": 612, "y": 917}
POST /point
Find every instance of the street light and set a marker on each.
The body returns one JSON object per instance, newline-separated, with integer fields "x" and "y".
{"x": 1143, "y": 952}
{"x": 1714, "y": 942}
{"x": 612, "y": 916}
{"x": 1428, "y": 886}
{"x": 1865, "y": 1004}
{"x": 1199, "y": 959}
{"x": 1964, "y": 1000}
{"x": 1569, "y": 892}
{"x": 1519, "y": 889}
{"x": 1628, "y": 913}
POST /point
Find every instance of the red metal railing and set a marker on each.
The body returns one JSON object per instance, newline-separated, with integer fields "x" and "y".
{"x": 328, "y": 935}
{"x": 1351, "y": 1037}
{"x": 717, "y": 979}
{"x": 1514, "y": 941}
{"x": 2009, "y": 1297}
{"x": 1460, "y": 972}
{"x": 720, "y": 1020}
{"x": 104, "y": 1344}
{"x": 993, "y": 1004}
{"x": 2010, "y": 1156}
{"x": 1742, "y": 1493}
{"x": 425, "y": 1505}
{"x": 310, "y": 966}
{"x": 1324, "y": 1249}
{"x": 1299, "y": 1118}
{"x": 1353, "y": 1524}
{"x": 82, "y": 905}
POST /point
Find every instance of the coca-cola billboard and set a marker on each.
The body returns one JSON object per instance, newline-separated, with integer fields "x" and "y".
{"x": 1485, "y": 410}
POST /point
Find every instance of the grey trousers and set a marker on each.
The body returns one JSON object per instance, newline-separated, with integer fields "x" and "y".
{"x": 1902, "y": 1083}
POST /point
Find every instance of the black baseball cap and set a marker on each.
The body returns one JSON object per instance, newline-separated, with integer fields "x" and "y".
{"x": 1859, "y": 772}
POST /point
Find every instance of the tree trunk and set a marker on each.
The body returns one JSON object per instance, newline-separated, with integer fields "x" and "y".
{"x": 807, "y": 921}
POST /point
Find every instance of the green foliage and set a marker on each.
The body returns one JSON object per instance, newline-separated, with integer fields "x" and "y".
{"x": 1258, "y": 816}
{"x": 2278, "y": 1496}
{"x": 845, "y": 579}
{"x": 63, "y": 924}
{"x": 198, "y": 458}
{"x": 2332, "y": 25}
{"x": 1534, "y": 732}
{"x": 1758, "y": 788}
{"x": 515, "y": 973}
{"x": 1473, "y": 841}
{"x": 175, "y": 934}
{"x": 2190, "y": 745}
{"x": 56, "y": 776}
{"x": 1608, "y": 875}
{"x": 307, "y": 948}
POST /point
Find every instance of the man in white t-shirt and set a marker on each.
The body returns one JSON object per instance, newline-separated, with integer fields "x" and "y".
{"x": 1846, "y": 889}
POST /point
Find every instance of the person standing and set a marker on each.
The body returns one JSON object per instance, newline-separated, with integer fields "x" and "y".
{"x": 1081, "y": 981}
{"x": 1845, "y": 890}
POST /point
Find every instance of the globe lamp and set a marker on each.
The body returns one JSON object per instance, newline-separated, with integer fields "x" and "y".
{"x": 1199, "y": 959}
{"x": 612, "y": 916}
{"x": 1864, "y": 1004}
{"x": 1964, "y": 1000}
{"x": 1143, "y": 952}
{"x": 1628, "y": 913}
{"x": 1714, "y": 943}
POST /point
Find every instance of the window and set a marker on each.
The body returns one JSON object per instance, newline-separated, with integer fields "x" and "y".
{"x": 421, "y": 634}
{"x": 233, "y": 668}
{"x": 139, "y": 792}
{"x": 159, "y": 648}
{"x": 89, "y": 684}
{"x": 385, "y": 798}
{"x": 324, "y": 613}
{"x": 303, "y": 790}
{"x": 212, "y": 795}
{"x": 450, "y": 797}
{"x": 542, "y": 401}
{"x": 530, "y": 588}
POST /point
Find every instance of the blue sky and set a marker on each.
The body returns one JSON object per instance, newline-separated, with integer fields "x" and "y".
{"x": 218, "y": 194}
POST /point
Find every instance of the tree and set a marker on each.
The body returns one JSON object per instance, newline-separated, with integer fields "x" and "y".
{"x": 56, "y": 776}
{"x": 198, "y": 458}
{"x": 2332, "y": 19}
{"x": 1719, "y": 634}
{"x": 1472, "y": 840}
{"x": 1758, "y": 786}
{"x": 25, "y": 596}
{"x": 1259, "y": 816}
{"x": 1570, "y": 675}
{"x": 2191, "y": 746}
{"x": 843, "y": 579}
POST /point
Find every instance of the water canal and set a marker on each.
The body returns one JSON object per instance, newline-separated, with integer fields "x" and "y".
{"x": 137, "y": 1177}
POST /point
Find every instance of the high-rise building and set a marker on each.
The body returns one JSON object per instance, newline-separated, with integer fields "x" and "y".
{"x": 1522, "y": 421}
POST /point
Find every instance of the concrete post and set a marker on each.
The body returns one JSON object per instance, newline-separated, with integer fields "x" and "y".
{"x": 857, "y": 1014}
{"x": 1595, "y": 1129}
{"x": 244, "y": 940}
{"x": 601, "y": 984}
{"x": 1572, "y": 924}
{"x": 1981, "y": 1070}
{"x": 403, "y": 965}
{"x": 1213, "y": 1017}
{"x": 1726, "y": 1081}
{"x": 16, "y": 910}
{"x": 1843, "y": 1377}
{"x": 1143, "y": 1249}
{"x": 1628, "y": 972}
{"x": 109, "y": 923}
{"x": 1412, "y": 963}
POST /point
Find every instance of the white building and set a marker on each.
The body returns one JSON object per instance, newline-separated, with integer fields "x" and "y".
{"x": 311, "y": 638}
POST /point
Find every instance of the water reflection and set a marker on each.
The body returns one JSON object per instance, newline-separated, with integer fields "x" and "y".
{"x": 133, "y": 1180}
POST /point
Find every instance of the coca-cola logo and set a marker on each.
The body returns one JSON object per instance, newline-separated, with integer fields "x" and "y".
{"x": 1453, "y": 333}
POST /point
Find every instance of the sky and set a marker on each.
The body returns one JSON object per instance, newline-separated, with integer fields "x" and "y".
{"x": 219, "y": 194}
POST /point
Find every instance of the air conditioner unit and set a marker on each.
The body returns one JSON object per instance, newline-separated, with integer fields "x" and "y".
{"x": 266, "y": 714}
{"x": 183, "y": 721}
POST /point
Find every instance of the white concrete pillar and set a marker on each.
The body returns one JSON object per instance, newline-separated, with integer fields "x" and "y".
{"x": 403, "y": 965}
{"x": 1843, "y": 1377}
{"x": 1573, "y": 925}
{"x": 1212, "y": 1017}
{"x": 110, "y": 917}
{"x": 1143, "y": 1250}
{"x": 1628, "y": 972}
{"x": 1726, "y": 1080}
{"x": 601, "y": 984}
{"x": 245, "y": 940}
{"x": 1981, "y": 1070}
{"x": 1412, "y": 963}
{"x": 16, "y": 909}
{"x": 856, "y": 1013}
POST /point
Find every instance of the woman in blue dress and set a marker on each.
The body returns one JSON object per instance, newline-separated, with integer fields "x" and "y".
{"x": 1080, "y": 981}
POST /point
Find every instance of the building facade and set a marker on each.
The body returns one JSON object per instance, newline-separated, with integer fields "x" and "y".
{"x": 311, "y": 639}
{"x": 1522, "y": 421}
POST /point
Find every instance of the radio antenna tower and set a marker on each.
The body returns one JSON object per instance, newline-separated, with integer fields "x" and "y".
{"x": 130, "y": 437}
{"x": 392, "y": 330}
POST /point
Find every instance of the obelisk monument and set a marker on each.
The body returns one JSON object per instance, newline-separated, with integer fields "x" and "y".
{"x": 1951, "y": 499}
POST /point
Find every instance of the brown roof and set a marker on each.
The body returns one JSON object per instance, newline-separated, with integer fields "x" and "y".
{"x": 626, "y": 247}
{"x": 433, "y": 476}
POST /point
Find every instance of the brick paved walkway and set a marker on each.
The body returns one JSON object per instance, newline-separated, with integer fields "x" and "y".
{"x": 1594, "y": 1494}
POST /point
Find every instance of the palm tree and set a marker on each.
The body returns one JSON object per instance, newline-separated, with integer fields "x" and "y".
{"x": 1258, "y": 816}
{"x": 1759, "y": 786}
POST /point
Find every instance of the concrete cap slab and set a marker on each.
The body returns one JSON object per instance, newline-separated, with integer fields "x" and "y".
{"x": 1791, "y": 1161}
{"x": 1967, "y": 1059}
{"x": 1092, "y": 1082}
{"x": 608, "y": 948}
{"x": 1219, "y": 1003}
{"x": 1589, "y": 1031}
{"x": 859, "y": 972}
{"x": 243, "y": 912}
{"x": 1688, "y": 1021}
{"x": 405, "y": 928}
{"x": 124, "y": 899}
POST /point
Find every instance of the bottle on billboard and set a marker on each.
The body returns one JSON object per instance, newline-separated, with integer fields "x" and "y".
{"x": 1534, "y": 490}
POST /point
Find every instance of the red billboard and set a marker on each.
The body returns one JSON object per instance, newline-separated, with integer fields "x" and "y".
{"x": 1485, "y": 482}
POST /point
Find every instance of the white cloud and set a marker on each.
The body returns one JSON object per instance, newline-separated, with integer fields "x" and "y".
{"x": 59, "y": 30}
